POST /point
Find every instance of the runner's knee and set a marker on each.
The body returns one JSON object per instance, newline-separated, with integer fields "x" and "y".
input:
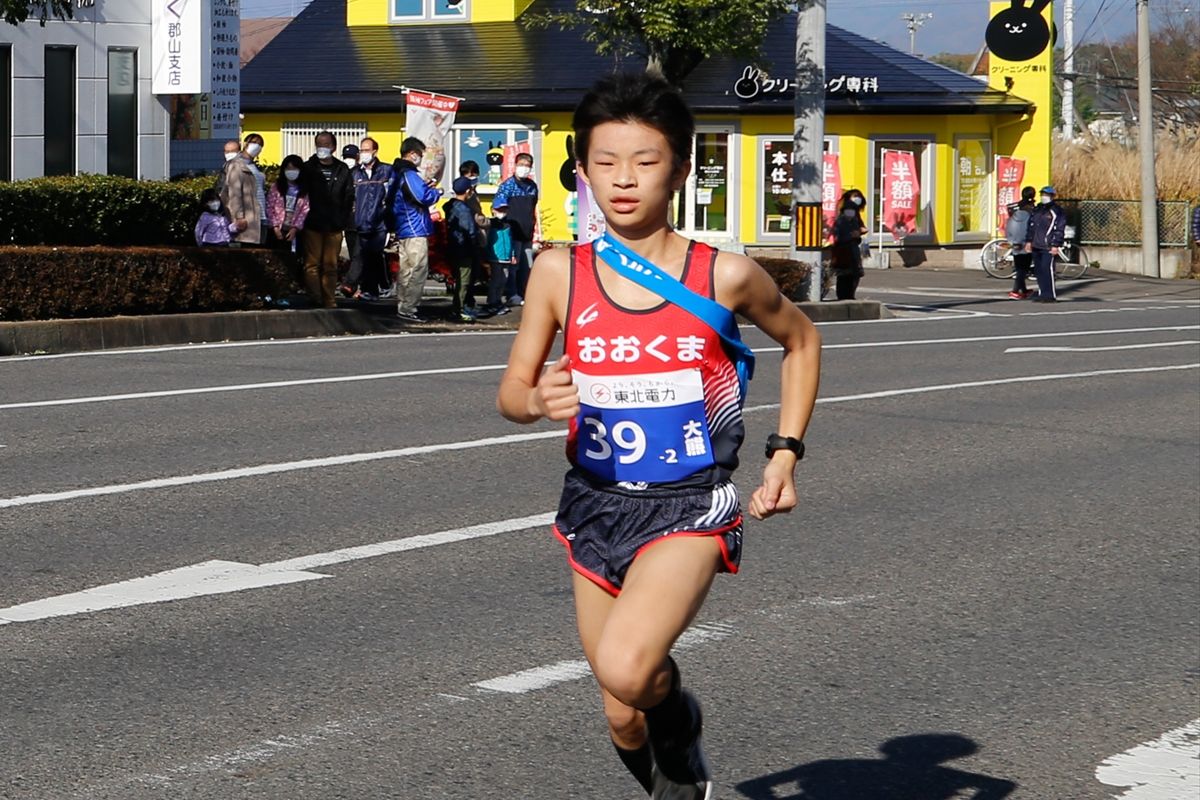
{"x": 628, "y": 671}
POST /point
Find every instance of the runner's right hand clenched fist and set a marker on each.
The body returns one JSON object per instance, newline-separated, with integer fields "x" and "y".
{"x": 555, "y": 396}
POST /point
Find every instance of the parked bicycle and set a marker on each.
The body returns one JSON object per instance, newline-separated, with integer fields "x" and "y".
{"x": 1071, "y": 261}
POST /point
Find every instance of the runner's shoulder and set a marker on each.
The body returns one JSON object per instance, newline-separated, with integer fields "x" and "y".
{"x": 734, "y": 272}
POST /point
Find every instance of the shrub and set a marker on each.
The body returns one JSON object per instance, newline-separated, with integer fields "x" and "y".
{"x": 58, "y": 282}
{"x": 1103, "y": 170}
{"x": 790, "y": 276}
{"x": 99, "y": 209}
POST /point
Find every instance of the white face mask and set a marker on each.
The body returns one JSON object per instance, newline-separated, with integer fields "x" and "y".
{"x": 231, "y": 156}
{"x": 366, "y": 158}
{"x": 291, "y": 174}
{"x": 350, "y": 162}
{"x": 499, "y": 214}
{"x": 1047, "y": 199}
{"x": 523, "y": 171}
{"x": 253, "y": 149}
{"x": 214, "y": 205}
{"x": 323, "y": 153}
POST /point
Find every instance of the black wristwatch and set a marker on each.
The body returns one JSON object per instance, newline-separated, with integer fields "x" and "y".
{"x": 777, "y": 442}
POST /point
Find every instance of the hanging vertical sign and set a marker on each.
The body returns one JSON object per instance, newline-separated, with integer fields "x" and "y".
{"x": 429, "y": 117}
{"x": 179, "y": 50}
{"x": 901, "y": 193}
{"x": 831, "y": 190}
{"x": 224, "y": 101}
{"x": 590, "y": 219}
{"x": 1009, "y": 174}
{"x": 508, "y": 166}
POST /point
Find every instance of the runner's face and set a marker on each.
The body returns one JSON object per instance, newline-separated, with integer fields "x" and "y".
{"x": 632, "y": 173}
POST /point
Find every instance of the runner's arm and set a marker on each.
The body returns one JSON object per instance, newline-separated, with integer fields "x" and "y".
{"x": 746, "y": 287}
{"x": 526, "y": 393}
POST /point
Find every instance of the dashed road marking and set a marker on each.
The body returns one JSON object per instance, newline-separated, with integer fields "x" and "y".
{"x": 1167, "y": 768}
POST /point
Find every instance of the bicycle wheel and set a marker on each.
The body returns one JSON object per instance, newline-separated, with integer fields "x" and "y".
{"x": 996, "y": 258}
{"x": 1071, "y": 264}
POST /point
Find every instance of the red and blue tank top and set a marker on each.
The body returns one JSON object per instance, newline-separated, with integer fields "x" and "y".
{"x": 659, "y": 398}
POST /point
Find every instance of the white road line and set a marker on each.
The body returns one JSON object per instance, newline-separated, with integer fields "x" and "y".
{"x": 1147, "y": 346}
{"x": 403, "y": 452}
{"x": 1167, "y": 768}
{"x": 532, "y": 680}
{"x": 109, "y": 398}
{"x": 953, "y": 294}
{"x": 272, "y": 469}
{"x": 1076, "y": 312}
{"x": 223, "y": 577}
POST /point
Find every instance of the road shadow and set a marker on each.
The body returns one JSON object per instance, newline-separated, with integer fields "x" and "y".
{"x": 912, "y": 768}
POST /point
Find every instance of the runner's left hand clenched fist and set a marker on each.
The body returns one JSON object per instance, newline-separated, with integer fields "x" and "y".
{"x": 776, "y": 495}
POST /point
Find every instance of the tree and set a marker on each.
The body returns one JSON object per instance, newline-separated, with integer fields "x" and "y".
{"x": 17, "y": 11}
{"x": 674, "y": 36}
{"x": 959, "y": 62}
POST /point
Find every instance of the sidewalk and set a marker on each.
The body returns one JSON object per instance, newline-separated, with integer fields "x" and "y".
{"x": 350, "y": 318}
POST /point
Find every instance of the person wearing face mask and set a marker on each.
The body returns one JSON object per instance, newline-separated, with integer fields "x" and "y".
{"x": 214, "y": 228}
{"x": 501, "y": 256}
{"x": 330, "y": 209}
{"x": 367, "y": 276}
{"x": 1043, "y": 237}
{"x": 848, "y": 231}
{"x": 287, "y": 203}
{"x": 242, "y": 193}
{"x": 232, "y": 149}
{"x": 1014, "y": 230}
{"x": 520, "y": 194}
{"x": 470, "y": 171}
{"x": 410, "y": 196}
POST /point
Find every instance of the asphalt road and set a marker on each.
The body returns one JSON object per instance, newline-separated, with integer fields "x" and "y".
{"x": 992, "y": 584}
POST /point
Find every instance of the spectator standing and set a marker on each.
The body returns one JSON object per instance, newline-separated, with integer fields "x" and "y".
{"x": 287, "y": 202}
{"x": 232, "y": 148}
{"x": 460, "y": 245}
{"x": 239, "y": 192}
{"x": 330, "y": 203}
{"x": 350, "y": 159}
{"x": 367, "y": 276}
{"x": 1015, "y": 230}
{"x": 1043, "y": 238}
{"x": 520, "y": 195}
{"x": 470, "y": 171}
{"x": 411, "y": 196}
{"x": 214, "y": 226}
{"x": 501, "y": 257}
{"x": 848, "y": 232}
{"x": 252, "y": 150}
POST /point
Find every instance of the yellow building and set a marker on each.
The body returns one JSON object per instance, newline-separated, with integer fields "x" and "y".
{"x": 339, "y": 66}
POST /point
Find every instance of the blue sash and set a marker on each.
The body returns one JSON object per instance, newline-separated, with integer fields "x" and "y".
{"x": 629, "y": 264}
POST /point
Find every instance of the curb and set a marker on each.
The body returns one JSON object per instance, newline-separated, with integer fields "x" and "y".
{"x": 79, "y": 335}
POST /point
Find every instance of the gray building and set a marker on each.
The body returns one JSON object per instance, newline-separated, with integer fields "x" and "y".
{"x": 75, "y": 96}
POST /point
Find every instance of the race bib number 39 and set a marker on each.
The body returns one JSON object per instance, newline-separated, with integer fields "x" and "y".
{"x": 648, "y": 428}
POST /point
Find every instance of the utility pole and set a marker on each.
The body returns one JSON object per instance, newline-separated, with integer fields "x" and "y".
{"x": 914, "y": 22}
{"x": 808, "y": 142}
{"x": 1068, "y": 99}
{"x": 1146, "y": 144}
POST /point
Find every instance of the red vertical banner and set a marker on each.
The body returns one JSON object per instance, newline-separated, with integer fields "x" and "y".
{"x": 1009, "y": 174}
{"x": 901, "y": 193}
{"x": 831, "y": 190}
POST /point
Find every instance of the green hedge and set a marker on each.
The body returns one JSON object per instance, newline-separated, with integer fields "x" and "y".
{"x": 61, "y": 282}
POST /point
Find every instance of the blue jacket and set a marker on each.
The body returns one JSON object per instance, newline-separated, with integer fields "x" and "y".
{"x": 460, "y": 228}
{"x": 409, "y": 201}
{"x": 500, "y": 241}
{"x": 371, "y": 197}
{"x": 521, "y": 197}
{"x": 1047, "y": 226}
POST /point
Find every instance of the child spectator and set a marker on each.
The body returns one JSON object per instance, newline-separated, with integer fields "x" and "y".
{"x": 460, "y": 245}
{"x": 502, "y": 257}
{"x": 287, "y": 202}
{"x": 214, "y": 228}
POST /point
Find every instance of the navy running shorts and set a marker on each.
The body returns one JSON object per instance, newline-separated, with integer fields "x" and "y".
{"x": 605, "y": 527}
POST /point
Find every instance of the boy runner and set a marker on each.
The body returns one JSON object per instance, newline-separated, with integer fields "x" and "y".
{"x": 636, "y": 372}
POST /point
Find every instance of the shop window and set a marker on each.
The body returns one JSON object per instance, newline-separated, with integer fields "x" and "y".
{"x": 488, "y": 147}
{"x": 122, "y": 113}
{"x": 436, "y": 10}
{"x": 298, "y": 137}
{"x": 58, "y": 116}
{"x": 921, "y": 150}
{"x": 775, "y": 184}
{"x": 5, "y": 113}
{"x": 973, "y": 188}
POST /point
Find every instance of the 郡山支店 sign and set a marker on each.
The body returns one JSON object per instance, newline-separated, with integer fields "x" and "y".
{"x": 754, "y": 84}
{"x": 180, "y": 41}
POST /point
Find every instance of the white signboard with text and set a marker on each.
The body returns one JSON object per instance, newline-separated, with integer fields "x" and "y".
{"x": 180, "y": 47}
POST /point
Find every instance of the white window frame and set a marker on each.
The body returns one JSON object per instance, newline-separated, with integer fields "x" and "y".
{"x": 297, "y": 137}
{"x": 989, "y": 210}
{"x": 428, "y": 14}
{"x": 928, "y": 190}
{"x": 688, "y": 195}
{"x": 493, "y": 130}
{"x": 831, "y": 144}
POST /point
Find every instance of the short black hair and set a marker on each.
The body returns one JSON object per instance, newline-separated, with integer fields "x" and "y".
{"x": 635, "y": 97}
{"x": 412, "y": 145}
{"x": 466, "y": 167}
{"x": 253, "y": 137}
{"x": 326, "y": 133}
{"x": 525, "y": 157}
